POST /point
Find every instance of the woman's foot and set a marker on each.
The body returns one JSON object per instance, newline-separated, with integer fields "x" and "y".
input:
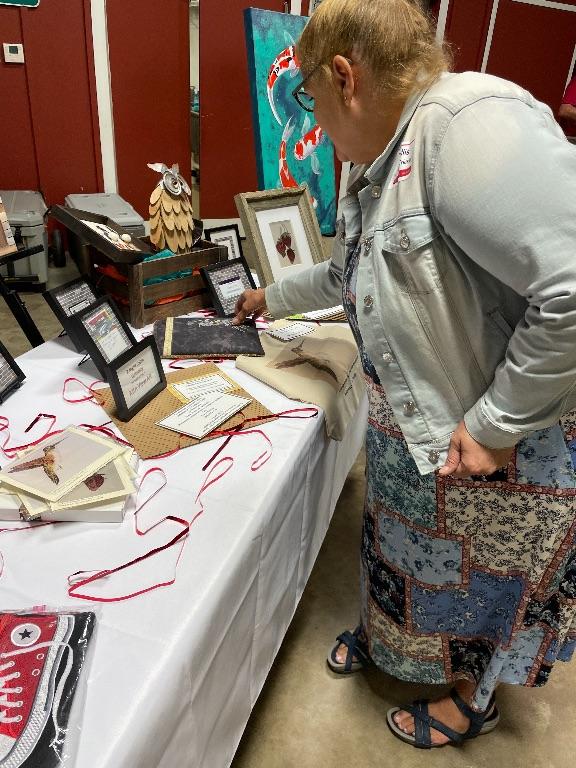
{"x": 444, "y": 710}
{"x": 350, "y": 654}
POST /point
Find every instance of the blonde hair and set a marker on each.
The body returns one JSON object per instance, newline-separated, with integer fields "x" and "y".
{"x": 394, "y": 39}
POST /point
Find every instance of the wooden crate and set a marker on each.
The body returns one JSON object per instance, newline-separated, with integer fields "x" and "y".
{"x": 132, "y": 294}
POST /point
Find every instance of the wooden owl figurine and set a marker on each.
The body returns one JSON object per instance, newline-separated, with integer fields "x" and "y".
{"x": 171, "y": 215}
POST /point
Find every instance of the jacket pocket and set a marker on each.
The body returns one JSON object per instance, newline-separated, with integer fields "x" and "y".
{"x": 414, "y": 253}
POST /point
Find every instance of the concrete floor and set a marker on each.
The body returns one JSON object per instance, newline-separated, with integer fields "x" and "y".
{"x": 306, "y": 717}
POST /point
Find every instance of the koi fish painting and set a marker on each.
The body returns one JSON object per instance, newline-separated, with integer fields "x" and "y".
{"x": 290, "y": 148}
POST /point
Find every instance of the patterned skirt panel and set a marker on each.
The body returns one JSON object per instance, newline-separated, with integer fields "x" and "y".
{"x": 466, "y": 578}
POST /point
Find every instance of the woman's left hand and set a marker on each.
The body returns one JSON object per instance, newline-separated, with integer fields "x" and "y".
{"x": 467, "y": 457}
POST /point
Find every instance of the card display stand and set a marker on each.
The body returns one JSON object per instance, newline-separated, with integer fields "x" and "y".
{"x": 144, "y": 297}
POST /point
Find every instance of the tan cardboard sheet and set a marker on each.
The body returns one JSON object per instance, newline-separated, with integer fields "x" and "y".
{"x": 150, "y": 440}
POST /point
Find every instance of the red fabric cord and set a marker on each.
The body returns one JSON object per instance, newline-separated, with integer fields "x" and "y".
{"x": 80, "y": 579}
{"x": 311, "y": 413}
{"x": 12, "y": 451}
{"x": 92, "y": 395}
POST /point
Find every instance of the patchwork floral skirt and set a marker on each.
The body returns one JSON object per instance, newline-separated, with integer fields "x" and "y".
{"x": 472, "y": 579}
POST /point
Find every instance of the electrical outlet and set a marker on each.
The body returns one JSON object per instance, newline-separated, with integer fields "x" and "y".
{"x": 13, "y": 53}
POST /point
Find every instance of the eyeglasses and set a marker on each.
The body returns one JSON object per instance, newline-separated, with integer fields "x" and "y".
{"x": 304, "y": 99}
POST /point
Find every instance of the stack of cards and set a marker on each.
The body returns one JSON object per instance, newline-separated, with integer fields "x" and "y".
{"x": 291, "y": 331}
{"x": 209, "y": 403}
{"x": 71, "y": 476}
{"x": 332, "y": 315}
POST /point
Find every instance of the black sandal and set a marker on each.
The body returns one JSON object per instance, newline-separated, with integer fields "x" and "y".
{"x": 356, "y": 646}
{"x": 480, "y": 722}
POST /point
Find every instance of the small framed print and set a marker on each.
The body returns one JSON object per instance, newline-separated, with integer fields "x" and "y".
{"x": 229, "y": 236}
{"x": 104, "y": 333}
{"x": 11, "y": 377}
{"x": 226, "y": 281}
{"x": 135, "y": 378}
{"x": 68, "y": 300}
{"x": 282, "y": 228}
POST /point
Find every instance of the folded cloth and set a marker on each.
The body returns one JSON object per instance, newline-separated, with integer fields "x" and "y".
{"x": 322, "y": 368}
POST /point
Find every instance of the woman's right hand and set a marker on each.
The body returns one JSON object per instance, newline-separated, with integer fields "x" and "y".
{"x": 251, "y": 303}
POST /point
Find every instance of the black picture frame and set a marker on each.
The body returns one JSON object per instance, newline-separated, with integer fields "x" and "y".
{"x": 11, "y": 376}
{"x": 143, "y": 353}
{"x": 75, "y": 220}
{"x": 59, "y": 300}
{"x": 92, "y": 338}
{"x": 217, "y": 275}
{"x": 236, "y": 252}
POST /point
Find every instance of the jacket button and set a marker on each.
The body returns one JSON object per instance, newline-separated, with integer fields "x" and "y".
{"x": 404, "y": 240}
{"x": 368, "y": 302}
{"x": 343, "y": 236}
{"x": 376, "y": 190}
{"x": 409, "y": 408}
{"x": 388, "y": 358}
{"x": 433, "y": 457}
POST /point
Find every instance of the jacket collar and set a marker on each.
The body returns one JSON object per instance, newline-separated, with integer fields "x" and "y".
{"x": 375, "y": 172}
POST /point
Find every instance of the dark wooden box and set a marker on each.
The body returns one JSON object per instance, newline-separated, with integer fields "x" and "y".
{"x": 132, "y": 294}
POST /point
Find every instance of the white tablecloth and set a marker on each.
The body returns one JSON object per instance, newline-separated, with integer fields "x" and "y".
{"x": 175, "y": 673}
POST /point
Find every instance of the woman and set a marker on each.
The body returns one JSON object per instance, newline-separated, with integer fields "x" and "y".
{"x": 454, "y": 258}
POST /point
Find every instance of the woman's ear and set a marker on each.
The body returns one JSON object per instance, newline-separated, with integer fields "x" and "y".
{"x": 343, "y": 77}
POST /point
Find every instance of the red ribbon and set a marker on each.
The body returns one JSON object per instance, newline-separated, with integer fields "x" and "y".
{"x": 103, "y": 429}
{"x": 141, "y": 506}
{"x": 90, "y": 397}
{"x": 79, "y": 579}
{"x": 14, "y": 450}
{"x": 229, "y": 434}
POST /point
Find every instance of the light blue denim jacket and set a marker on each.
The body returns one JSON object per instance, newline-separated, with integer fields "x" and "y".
{"x": 466, "y": 289}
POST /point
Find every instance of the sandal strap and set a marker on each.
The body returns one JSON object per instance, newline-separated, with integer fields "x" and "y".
{"x": 424, "y": 722}
{"x": 355, "y": 647}
{"x": 476, "y": 718}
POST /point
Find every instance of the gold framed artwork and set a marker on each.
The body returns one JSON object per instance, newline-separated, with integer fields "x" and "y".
{"x": 282, "y": 228}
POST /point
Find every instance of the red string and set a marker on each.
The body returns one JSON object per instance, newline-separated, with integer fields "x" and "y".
{"x": 27, "y": 527}
{"x": 312, "y": 413}
{"x": 90, "y": 397}
{"x": 79, "y": 579}
{"x": 102, "y": 428}
{"x": 141, "y": 506}
{"x": 15, "y": 449}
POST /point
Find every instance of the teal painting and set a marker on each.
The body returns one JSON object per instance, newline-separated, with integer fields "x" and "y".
{"x": 290, "y": 148}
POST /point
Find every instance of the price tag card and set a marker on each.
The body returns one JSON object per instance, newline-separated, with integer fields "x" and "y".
{"x": 292, "y": 331}
{"x": 204, "y": 414}
{"x": 201, "y": 385}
